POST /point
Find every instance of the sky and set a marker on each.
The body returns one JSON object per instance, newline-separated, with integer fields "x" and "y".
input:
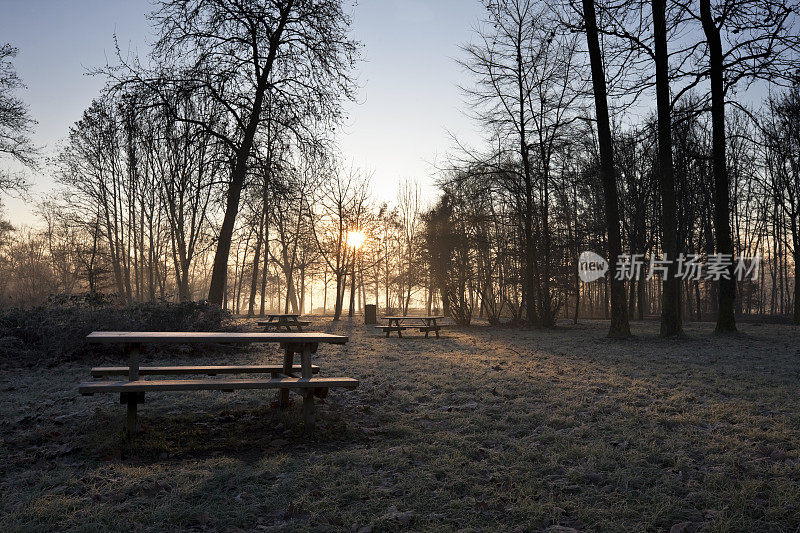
{"x": 408, "y": 105}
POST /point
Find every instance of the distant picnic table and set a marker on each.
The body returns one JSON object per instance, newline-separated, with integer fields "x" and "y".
{"x": 285, "y": 377}
{"x": 427, "y": 323}
{"x": 288, "y": 321}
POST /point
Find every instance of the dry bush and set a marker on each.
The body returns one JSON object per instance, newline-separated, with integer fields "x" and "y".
{"x": 56, "y": 330}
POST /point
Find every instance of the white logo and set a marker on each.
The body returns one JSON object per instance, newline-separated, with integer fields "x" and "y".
{"x": 591, "y": 267}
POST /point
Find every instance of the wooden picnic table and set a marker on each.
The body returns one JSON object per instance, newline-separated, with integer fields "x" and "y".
{"x": 283, "y": 377}
{"x": 290, "y": 321}
{"x": 428, "y": 324}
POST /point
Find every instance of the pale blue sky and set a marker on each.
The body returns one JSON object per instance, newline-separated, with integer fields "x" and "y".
{"x": 408, "y": 99}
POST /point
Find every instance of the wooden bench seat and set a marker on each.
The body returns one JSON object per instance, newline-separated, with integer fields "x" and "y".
{"x": 389, "y": 329}
{"x": 165, "y": 385}
{"x": 273, "y": 322}
{"x": 105, "y": 371}
{"x": 284, "y": 324}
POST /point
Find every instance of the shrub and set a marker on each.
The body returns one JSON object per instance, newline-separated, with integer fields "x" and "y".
{"x": 57, "y": 329}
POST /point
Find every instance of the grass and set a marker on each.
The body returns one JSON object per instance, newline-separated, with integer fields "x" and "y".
{"x": 483, "y": 429}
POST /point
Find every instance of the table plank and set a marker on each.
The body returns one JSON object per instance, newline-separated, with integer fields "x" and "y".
{"x": 103, "y": 371}
{"x": 215, "y": 384}
{"x": 412, "y": 317}
{"x": 202, "y": 336}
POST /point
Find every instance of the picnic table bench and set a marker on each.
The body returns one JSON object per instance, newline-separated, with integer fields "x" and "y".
{"x": 401, "y": 323}
{"x": 286, "y": 377}
{"x": 289, "y": 321}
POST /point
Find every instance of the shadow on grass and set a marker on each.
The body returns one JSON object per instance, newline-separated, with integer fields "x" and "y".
{"x": 246, "y": 433}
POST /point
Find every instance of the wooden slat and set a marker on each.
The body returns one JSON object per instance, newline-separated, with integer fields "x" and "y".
{"x": 409, "y": 317}
{"x": 214, "y": 384}
{"x": 101, "y": 371}
{"x": 202, "y": 336}
{"x": 392, "y": 328}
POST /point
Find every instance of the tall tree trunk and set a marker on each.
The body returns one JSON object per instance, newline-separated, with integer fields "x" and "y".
{"x": 234, "y": 193}
{"x": 351, "y": 310}
{"x": 325, "y": 289}
{"x": 671, "y": 294}
{"x": 340, "y": 282}
{"x": 256, "y": 263}
{"x": 640, "y": 302}
{"x": 301, "y": 301}
{"x": 264, "y": 272}
{"x": 726, "y": 320}
{"x": 429, "y": 296}
{"x": 529, "y": 254}
{"x": 796, "y": 257}
{"x": 219, "y": 272}
{"x": 291, "y": 292}
{"x": 619, "y": 328}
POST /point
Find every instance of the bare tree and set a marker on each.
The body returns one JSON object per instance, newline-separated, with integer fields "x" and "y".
{"x": 182, "y": 159}
{"x": 16, "y": 123}
{"x": 761, "y": 42}
{"x": 671, "y": 297}
{"x": 619, "y": 314}
{"x": 528, "y": 88}
{"x": 92, "y": 164}
{"x": 243, "y": 55}
{"x": 783, "y": 172}
{"x": 341, "y": 198}
{"x": 409, "y": 205}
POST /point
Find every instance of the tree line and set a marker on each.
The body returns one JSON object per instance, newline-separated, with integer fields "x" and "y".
{"x": 576, "y": 158}
{"x": 208, "y": 169}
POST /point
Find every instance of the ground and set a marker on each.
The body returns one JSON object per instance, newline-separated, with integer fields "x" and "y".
{"x": 487, "y": 428}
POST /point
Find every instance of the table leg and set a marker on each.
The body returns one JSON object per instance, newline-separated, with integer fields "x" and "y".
{"x": 427, "y": 327}
{"x": 288, "y": 361}
{"x": 436, "y": 326}
{"x": 133, "y": 361}
{"x": 308, "y": 398}
{"x": 133, "y": 375}
{"x": 306, "y": 361}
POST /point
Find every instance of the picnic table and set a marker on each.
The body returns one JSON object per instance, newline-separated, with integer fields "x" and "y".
{"x": 286, "y": 377}
{"x": 427, "y": 323}
{"x": 289, "y": 321}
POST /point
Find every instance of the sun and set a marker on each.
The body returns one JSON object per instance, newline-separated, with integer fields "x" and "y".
{"x": 355, "y": 239}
